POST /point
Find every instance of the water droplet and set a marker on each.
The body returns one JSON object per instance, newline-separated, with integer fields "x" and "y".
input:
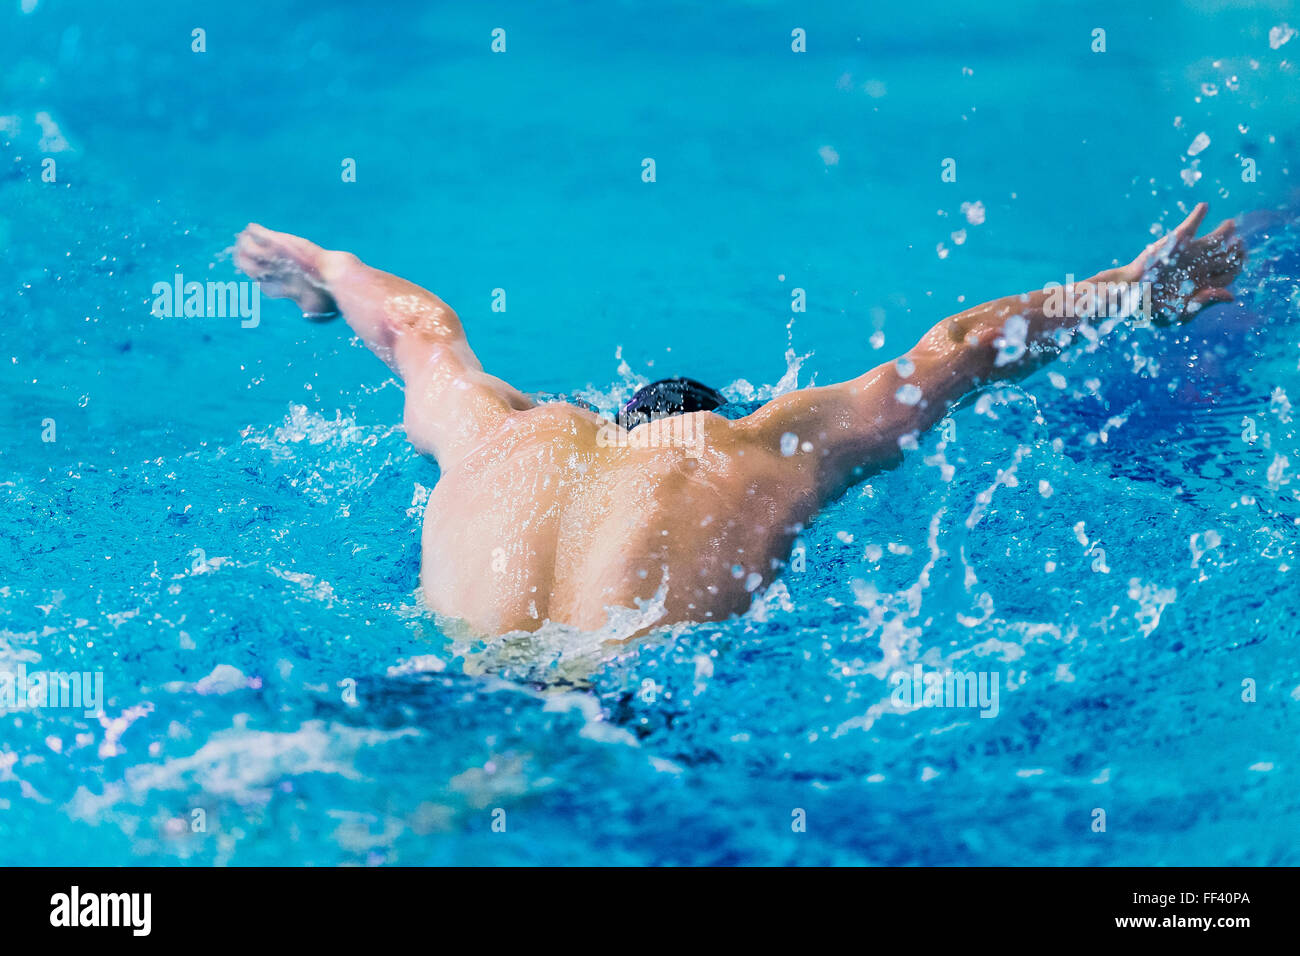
{"x": 909, "y": 394}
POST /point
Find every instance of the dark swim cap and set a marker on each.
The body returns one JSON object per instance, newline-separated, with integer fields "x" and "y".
{"x": 669, "y": 396}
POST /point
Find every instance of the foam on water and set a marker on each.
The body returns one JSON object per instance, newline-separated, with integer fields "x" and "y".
{"x": 227, "y": 527}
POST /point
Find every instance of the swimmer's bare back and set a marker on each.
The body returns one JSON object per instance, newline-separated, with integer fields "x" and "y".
{"x": 550, "y": 512}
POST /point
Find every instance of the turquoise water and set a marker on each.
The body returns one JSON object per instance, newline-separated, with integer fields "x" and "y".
{"x": 225, "y": 525}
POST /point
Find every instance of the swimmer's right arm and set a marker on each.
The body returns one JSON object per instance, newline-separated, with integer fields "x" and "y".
{"x": 848, "y": 430}
{"x": 1006, "y": 339}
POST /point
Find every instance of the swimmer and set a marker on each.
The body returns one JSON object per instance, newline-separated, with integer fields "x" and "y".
{"x": 538, "y": 516}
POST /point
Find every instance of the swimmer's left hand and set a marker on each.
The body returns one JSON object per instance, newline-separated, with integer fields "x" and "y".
{"x": 1189, "y": 274}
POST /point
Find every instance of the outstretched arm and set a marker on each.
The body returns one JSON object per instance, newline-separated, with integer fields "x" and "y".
{"x": 853, "y": 428}
{"x": 451, "y": 403}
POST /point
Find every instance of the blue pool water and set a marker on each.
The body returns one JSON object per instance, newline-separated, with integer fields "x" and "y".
{"x": 226, "y": 522}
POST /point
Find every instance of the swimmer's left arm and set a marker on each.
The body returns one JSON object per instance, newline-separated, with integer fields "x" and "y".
{"x": 451, "y": 402}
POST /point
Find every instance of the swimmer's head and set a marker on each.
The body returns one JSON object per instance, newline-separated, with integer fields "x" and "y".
{"x": 669, "y": 396}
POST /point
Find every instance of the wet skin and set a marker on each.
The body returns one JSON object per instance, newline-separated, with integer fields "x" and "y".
{"x": 539, "y": 516}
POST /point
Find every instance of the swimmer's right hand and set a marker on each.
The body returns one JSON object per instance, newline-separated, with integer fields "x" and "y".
{"x": 1189, "y": 274}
